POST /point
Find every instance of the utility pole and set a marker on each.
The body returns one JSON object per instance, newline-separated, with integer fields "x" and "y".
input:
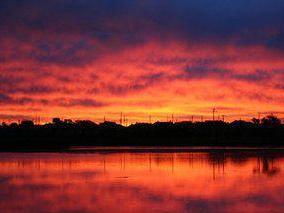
{"x": 201, "y": 118}
{"x": 223, "y": 118}
{"x": 150, "y": 119}
{"x": 124, "y": 120}
{"x": 192, "y": 118}
{"x": 213, "y": 113}
{"x": 172, "y": 117}
{"x": 120, "y": 120}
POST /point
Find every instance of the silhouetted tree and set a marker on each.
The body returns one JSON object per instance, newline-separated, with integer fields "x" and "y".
{"x": 4, "y": 124}
{"x": 241, "y": 123}
{"x": 27, "y": 123}
{"x": 13, "y": 125}
{"x": 56, "y": 121}
{"x": 85, "y": 123}
{"x": 109, "y": 124}
{"x": 255, "y": 121}
{"x": 84, "y": 132}
{"x": 270, "y": 120}
{"x": 68, "y": 121}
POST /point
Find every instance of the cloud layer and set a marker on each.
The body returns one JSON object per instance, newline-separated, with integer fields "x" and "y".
{"x": 88, "y": 59}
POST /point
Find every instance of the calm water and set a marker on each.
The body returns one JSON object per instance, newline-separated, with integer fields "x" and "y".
{"x": 246, "y": 181}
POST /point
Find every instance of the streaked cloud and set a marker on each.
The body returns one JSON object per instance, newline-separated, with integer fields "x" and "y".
{"x": 141, "y": 57}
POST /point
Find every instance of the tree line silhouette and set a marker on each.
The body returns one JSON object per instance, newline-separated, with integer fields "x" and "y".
{"x": 61, "y": 134}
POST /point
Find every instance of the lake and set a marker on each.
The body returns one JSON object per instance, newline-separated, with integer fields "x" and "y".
{"x": 143, "y": 181}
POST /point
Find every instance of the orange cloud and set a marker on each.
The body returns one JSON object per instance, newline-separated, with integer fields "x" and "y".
{"x": 152, "y": 78}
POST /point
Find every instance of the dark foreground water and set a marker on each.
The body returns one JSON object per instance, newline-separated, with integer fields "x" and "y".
{"x": 238, "y": 181}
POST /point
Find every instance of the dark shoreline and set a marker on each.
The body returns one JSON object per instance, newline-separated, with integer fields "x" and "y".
{"x": 59, "y": 136}
{"x": 143, "y": 149}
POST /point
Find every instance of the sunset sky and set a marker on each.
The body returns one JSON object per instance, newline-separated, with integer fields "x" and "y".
{"x": 86, "y": 59}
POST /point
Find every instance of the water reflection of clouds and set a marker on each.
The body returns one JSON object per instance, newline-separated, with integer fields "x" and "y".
{"x": 176, "y": 182}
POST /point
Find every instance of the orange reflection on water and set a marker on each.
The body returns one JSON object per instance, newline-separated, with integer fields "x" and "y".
{"x": 142, "y": 182}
